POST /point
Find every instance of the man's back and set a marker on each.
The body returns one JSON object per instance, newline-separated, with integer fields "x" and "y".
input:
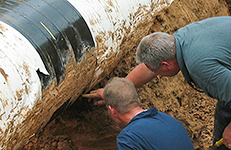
{"x": 154, "y": 130}
{"x": 204, "y": 55}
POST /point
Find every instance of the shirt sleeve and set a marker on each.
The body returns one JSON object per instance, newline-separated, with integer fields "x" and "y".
{"x": 126, "y": 141}
{"x": 219, "y": 86}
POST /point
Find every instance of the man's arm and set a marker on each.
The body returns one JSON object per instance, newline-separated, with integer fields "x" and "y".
{"x": 140, "y": 75}
{"x": 219, "y": 87}
{"x": 128, "y": 141}
{"x": 227, "y": 136}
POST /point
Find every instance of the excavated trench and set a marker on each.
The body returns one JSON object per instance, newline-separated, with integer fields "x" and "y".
{"x": 85, "y": 126}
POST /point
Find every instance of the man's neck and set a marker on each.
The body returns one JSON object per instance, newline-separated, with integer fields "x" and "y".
{"x": 126, "y": 118}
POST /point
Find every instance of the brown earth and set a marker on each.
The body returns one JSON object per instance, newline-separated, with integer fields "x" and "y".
{"x": 84, "y": 126}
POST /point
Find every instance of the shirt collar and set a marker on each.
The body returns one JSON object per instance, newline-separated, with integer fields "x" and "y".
{"x": 150, "y": 112}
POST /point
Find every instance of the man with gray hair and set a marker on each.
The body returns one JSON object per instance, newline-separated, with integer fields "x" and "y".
{"x": 202, "y": 51}
{"x": 143, "y": 129}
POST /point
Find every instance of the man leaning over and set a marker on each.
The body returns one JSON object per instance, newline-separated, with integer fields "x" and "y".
{"x": 142, "y": 129}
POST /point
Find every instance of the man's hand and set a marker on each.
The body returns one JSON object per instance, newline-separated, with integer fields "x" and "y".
{"x": 96, "y": 96}
{"x": 227, "y": 136}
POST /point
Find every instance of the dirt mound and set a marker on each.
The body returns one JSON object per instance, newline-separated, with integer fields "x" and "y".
{"x": 85, "y": 126}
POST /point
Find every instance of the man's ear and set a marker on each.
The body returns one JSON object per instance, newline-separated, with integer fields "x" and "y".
{"x": 166, "y": 65}
{"x": 112, "y": 110}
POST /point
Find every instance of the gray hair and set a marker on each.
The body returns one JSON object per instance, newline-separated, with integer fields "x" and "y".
{"x": 155, "y": 48}
{"x": 121, "y": 94}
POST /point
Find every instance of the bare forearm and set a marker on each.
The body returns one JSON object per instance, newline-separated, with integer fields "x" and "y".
{"x": 140, "y": 75}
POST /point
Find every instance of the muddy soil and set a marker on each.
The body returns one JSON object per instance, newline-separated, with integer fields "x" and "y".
{"x": 84, "y": 126}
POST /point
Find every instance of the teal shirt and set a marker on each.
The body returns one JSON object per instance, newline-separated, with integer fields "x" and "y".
{"x": 204, "y": 54}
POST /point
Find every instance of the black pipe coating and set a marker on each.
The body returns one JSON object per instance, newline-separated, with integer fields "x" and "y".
{"x": 54, "y": 27}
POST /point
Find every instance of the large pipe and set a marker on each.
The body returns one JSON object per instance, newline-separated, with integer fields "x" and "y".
{"x": 51, "y": 51}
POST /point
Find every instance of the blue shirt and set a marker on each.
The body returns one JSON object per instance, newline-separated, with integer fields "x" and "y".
{"x": 204, "y": 54}
{"x": 154, "y": 130}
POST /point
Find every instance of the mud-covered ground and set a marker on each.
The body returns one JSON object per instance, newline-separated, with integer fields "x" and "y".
{"x": 84, "y": 126}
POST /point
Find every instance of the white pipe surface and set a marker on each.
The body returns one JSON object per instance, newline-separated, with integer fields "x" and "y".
{"x": 20, "y": 86}
{"x": 114, "y": 16}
